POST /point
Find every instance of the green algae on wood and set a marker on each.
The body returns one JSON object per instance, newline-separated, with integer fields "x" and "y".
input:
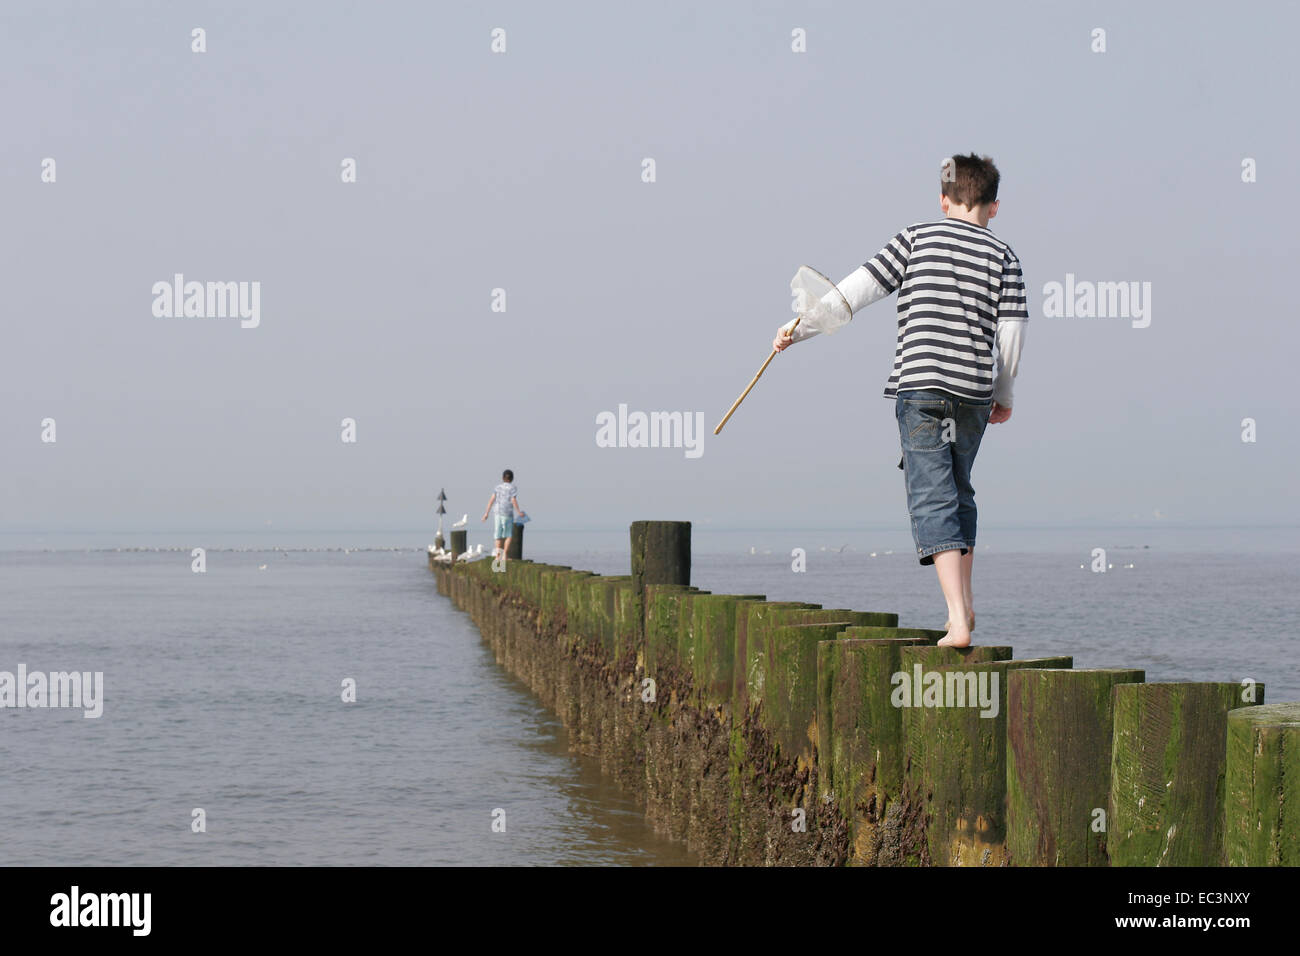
{"x": 957, "y": 766}
{"x": 1167, "y": 772}
{"x": 763, "y": 618}
{"x": 753, "y": 617}
{"x": 713, "y": 643}
{"x": 1059, "y": 730}
{"x": 664, "y": 606}
{"x": 783, "y": 676}
{"x": 860, "y": 747}
{"x": 1262, "y": 786}
{"x": 629, "y": 621}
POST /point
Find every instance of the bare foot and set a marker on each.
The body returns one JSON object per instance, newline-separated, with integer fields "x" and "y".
{"x": 957, "y": 637}
{"x": 947, "y": 625}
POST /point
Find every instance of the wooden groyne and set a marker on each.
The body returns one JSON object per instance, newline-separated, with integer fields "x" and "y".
{"x": 762, "y": 732}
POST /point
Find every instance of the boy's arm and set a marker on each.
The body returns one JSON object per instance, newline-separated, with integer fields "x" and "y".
{"x": 489, "y": 506}
{"x": 1013, "y": 316}
{"x": 873, "y": 280}
{"x": 515, "y": 501}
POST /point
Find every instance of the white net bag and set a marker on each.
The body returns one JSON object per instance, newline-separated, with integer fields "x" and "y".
{"x": 819, "y": 301}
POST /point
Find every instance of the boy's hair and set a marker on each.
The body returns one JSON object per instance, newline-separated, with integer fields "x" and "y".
{"x": 970, "y": 180}
{"x": 507, "y": 475}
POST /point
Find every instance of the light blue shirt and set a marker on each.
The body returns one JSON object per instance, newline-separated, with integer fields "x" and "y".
{"x": 502, "y": 506}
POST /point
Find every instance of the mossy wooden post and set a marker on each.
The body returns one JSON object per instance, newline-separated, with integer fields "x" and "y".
{"x": 551, "y": 623}
{"x": 1167, "y": 772}
{"x": 860, "y": 748}
{"x": 753, "y": 619}
{"x": 629, "y": 623}
{"x": 630, "y": 715}
{"x": 664, "y": 606}
{"x": 957, "y": 746}
{"x": 748, "y": 840}
{"x": 784, "y": 679}
{"x": 550, "y": 614}
{"x": 607, "y": 612}
{"x": 667, "y": 802}
{"x": 661, "y": 553}
{"x": 459, "y": 542}
{"x": 515, "y": 546}
{"x": 701, "y": 742}
{"x": 916, "y": 694}
{"x": 1059, "y": 729}
{"x": 763, "y": 618}
{"x": 1262, "y": 786}
{"x": 571, "y": 601}
{"x": 712, "y": 653}
{"x": 590, "y": 639}
{"x": 684, "y": 654}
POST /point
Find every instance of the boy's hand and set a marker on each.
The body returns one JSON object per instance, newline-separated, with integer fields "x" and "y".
{"x": 999, "y": 414}
{"x": 484, "y": 518}
{"x": 782, "y": 341}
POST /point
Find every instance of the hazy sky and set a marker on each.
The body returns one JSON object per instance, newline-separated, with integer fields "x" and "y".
{"x": 523, "y": 171}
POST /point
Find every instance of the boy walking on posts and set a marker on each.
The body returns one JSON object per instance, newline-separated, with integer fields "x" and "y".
{"x": 503, "y": 504}
{"x": 962, "y": 312}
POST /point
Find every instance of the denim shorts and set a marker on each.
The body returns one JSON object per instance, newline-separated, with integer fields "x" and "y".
{"x": 940, "y": 434}
{"x": 504, "y": 526}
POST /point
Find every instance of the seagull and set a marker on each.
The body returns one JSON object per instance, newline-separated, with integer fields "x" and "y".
{"x": 261, "y": 567}
{"x": 464, "y": 520}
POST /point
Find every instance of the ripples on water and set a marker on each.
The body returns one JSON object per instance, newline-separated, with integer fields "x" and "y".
{"x": 222, "y": 691}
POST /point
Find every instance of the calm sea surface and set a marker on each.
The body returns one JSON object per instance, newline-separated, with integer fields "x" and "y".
{"x": 222, "y": 690}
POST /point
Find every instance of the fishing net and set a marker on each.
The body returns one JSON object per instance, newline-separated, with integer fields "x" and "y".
{"x": 819, "y": 301}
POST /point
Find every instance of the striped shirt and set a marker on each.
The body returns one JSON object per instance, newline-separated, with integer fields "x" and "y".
{"x": 957, "y": 284}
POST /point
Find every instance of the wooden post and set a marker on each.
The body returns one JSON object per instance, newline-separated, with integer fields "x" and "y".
{"x": 713, "y": 638}
{"x": 860, "y": 750}
{"x": 1167, "y": 772}
{"x": 661, "y": 553}
{"x": 783, "y": 676}
{"x": 459, "y": 542}
{"x": 515, "y": 546}
{"x": 664, "y": 606}
{"x": 1059, "y": 728}
{"x": 957, "y": 754}
{"x": 1262, "y": 788}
